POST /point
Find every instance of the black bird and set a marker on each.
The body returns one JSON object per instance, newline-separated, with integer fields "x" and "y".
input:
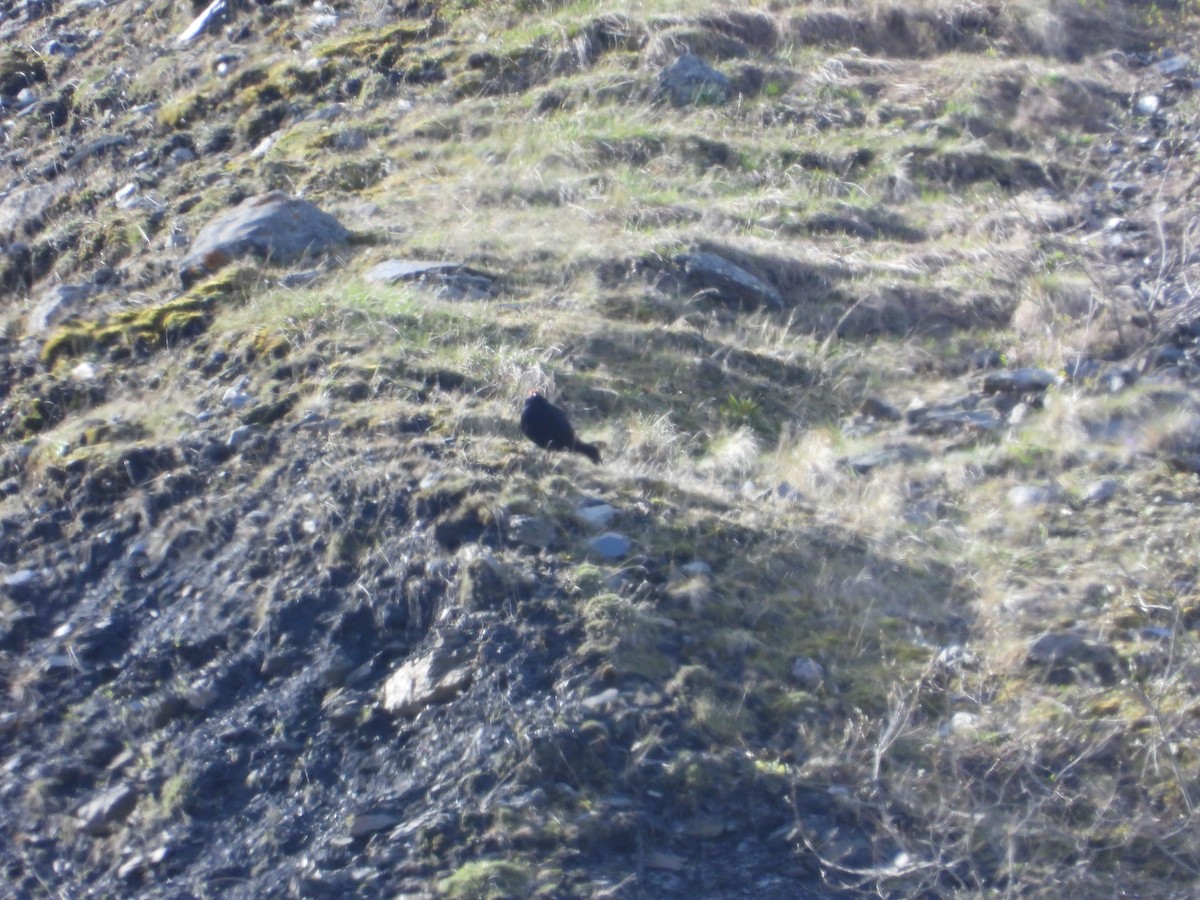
{"x": 547, "y": 426}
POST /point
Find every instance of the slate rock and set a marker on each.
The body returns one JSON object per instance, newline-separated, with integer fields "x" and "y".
{"x": 451, "y": 280}
{"x": 714, "y": 274}
{"x": 273, "y": 227}
{"x": 691, "y": 80}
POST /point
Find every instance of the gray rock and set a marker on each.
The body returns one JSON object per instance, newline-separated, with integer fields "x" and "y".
{"x": 1026, "y": 495}
{"x": 25, "y": 209}
{"x": 212, "y": 14}
{"x": 808, "y": 673}
{"x": 451, "y": 280}
{"x": 603, "y": 700}
{"x": 98, "y": 147}
{"x": 272, "y": 227}
{"x": 181, "y": 155}
{"x": 438, "y": 677}
{"x": 697, "y": 567}
{"x": 239, "y": 436}
{"x": 235, "y": 397}
{"x": 788, "y": 493}
{"x": 961, "y": 724}
{"x": 1101, "y": 491}
{"x": 531, "y": 531}
{"x": 350, "y": 140}
{"x": 54, "y": 305}
{"x": 691, "y": 80}
{"x": 21, "y": 584}
{"x": 609, "y": 545}
{"x": 708, "y": 272}
{"x": 1146, "y": 105}
{"x": 109, "y": 808}
{"x": 1173, "y": 64}
{"x": 595, "y": 515}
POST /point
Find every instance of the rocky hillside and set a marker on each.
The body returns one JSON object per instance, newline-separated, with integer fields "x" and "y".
{"x": 884, "y": 316}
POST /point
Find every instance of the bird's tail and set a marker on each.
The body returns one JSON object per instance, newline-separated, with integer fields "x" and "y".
{"x": 591, "y": 451}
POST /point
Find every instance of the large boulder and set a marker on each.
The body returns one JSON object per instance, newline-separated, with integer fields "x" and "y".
{"x": 273, "y": 227}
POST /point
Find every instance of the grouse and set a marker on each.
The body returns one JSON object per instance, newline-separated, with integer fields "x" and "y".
{"x": 547, "y": 426}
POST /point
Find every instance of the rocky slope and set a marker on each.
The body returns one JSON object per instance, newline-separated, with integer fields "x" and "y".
{"x": 885, "y": 318}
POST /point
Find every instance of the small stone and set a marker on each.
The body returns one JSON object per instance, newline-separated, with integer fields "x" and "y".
{"x": 362, "y": 824}
{"x": 531, "y": 531}
{"x": 181, "y": 155}
{"x": 961, "y": 723}
{"x": 1026, "y": 495}
{"x": 691, "y": 80}
{"x": 450, "y": 280}
{"x": 595, "y": 515}
{"x": 1101, "y": 491}
{"x": 602, "y": 700}
{"x": 21, "y": 578}
{"x": 131, "y": 866}
{"x": 788, "y": 493}
{"x": 713, "y": 274}
{"x": 808, "y": 673}
{"x": 55, "y": 304}
{"x": 436, "y": 678}
{"x": 1173, "y": 64}
{"x": 236, "y": 398}
{"x": 1146, "y": 105}
{"x": 350, "y": 140}
{"x": 110, "y": 808}
{"x": 239, "y": 436}
{"x": 697, "y": 568}
{"x": 610, "y": 545}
